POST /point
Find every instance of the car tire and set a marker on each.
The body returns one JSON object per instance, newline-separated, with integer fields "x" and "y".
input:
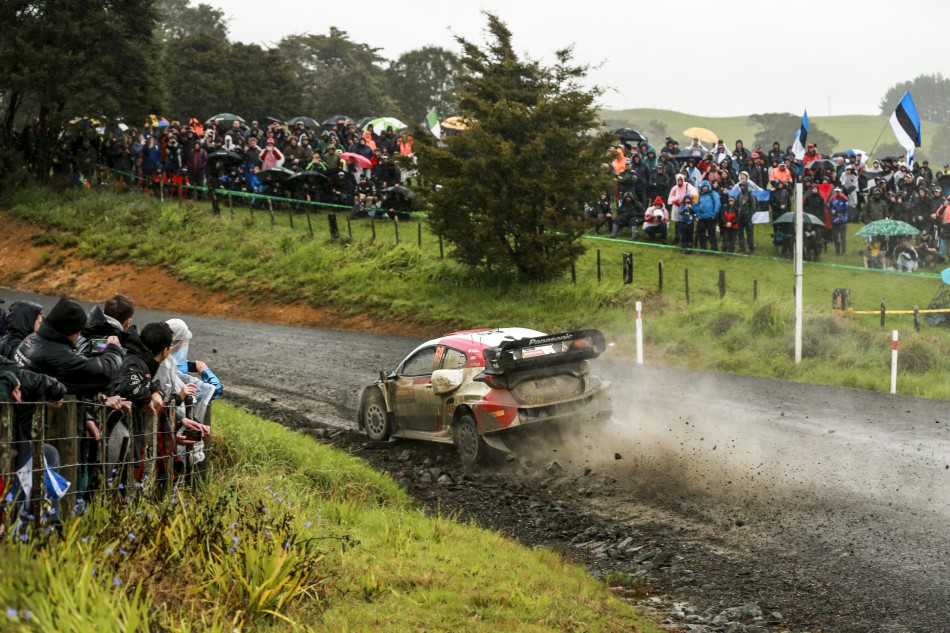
{"x": 470, "y": 445}
{"x": 376, "y": 421}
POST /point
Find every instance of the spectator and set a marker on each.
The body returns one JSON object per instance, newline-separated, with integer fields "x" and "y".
{"x": 678, "y": 194}
{"x": 135, "y": 382}
{"x": 687, "y": 219}
{"x": 877, "y": 207}
{"x": 271, "y": 157}
{"x": 655, "y": 221}
{"x": 780, "y": 200}
{"x": 707, "y": 214}
{"x": 928, "y": 251}
{"x": 23, "y": 318}
{"x": 729, "y": 226}
{"x": 811, "y": 154}
{"x": 838, "y": 206}
{"x": 874, "y": 256}
{"x": 905, "y": 256}
{"x": 629, "y": 214}
{"x": 745, "y": 209}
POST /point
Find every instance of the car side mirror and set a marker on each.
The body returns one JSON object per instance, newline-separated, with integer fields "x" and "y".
{"x": 446, "y": 380}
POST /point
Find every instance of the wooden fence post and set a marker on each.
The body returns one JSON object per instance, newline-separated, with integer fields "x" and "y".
{"x": 334, "y": 228}
{"x": 270, "y": 207}
{"x": 7, "y": 467}
{"x": 372, "y": 226}
{"x": 755, "y": 291}
{"x": 38, "y": 490}
{"x": 310, "y": 224}
{"x": 396, "y": 224}
{"x": 419, "y": 233}
{"x": 686, "y": 280}
{"x": 598, "y": 265}
{"x": 722, "y": 284}
{"x": 917, "y": 319}
{"x": 883, "y": 311}
{"x": 628, "y": 268}
{"x": 660, "y": 273}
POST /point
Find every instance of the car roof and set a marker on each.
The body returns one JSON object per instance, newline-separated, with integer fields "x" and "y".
{"x": 467, "y": 340}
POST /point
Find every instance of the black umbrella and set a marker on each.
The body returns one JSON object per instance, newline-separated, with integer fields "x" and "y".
{"x": 229, "y": 157}
{"x": 269, "y": 121}
{"x": 314, "y": 178}
{"x": 274, "y": 175}
{"x": 690, "y": 153}
{"x": 820, "y": 164}
{"x": 406, "y": 192}
{"x": 338, "y": 119}
{"x": 307, "y": 122}
{"x": 629, "y": 134}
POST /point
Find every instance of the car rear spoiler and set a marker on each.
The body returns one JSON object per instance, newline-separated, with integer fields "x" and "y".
{"x": 544, "y": 351}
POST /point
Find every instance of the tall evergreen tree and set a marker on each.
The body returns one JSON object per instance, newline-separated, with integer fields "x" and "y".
{"x": 515, "y": 183}
{"x": 421, "y": 79}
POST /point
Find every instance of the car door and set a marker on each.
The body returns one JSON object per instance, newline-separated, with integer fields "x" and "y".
{"x": 416, "y": 407}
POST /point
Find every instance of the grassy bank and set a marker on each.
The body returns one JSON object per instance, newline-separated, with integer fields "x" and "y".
{"x": 750, "y": 331}
{"x": 289, "y": 534}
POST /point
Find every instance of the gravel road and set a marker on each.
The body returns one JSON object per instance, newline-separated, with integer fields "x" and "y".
{"x": 721, "y": 502}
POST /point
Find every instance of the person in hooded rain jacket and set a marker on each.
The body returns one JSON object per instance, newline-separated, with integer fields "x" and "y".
{"x": 745, "y": 207}
{"x": 678, "y": 194}
{"x": 629, "y": 214}
{"x": 687, "y": 224}
{"x": 729, "y": 226}
{"x": 838, "y": 205}
{"x": 23, "y": 318}
{"x": 707, "y": 211}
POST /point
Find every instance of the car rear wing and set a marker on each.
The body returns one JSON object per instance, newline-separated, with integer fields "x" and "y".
{"x": 544, "y": 351}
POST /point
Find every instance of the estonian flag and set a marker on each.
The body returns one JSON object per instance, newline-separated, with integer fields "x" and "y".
{"x": 432, "y": 123}
{"x": 801, "y": 138}
{"x": 906, "y": 125}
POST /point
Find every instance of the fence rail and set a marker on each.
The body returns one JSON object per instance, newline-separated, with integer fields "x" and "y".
{"x": 131, "y": 451}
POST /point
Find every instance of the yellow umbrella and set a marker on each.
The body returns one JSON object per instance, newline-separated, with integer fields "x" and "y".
{"x": 456, "y": 123}
{"x": 702, "y": 134}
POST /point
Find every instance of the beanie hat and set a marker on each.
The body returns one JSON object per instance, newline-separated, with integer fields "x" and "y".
{"x": 658, "y": 201}
{"x": 8, "y": 382}
{"x": 67, "y": 317}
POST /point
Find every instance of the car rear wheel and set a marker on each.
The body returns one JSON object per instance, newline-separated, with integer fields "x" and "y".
{"x": 470, "y": 444}
{"x": 376, "y": 420}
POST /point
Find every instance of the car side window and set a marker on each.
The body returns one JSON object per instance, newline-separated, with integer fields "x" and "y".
{"x": 453, "y": 359}
{"x": 421, "y": 363}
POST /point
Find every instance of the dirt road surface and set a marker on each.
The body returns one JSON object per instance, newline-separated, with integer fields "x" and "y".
{"x": 721, "y": 502}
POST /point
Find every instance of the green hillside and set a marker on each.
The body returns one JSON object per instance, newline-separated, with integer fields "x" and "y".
{"x": 852, "y": 131}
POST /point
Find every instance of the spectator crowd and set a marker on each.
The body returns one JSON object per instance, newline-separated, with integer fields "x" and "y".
{"x": 105, "y": 363}
{"x": 335, "y": 163}
{"x": 714, "y": 196}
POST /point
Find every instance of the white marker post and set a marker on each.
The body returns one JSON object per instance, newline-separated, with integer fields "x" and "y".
{"x": 799, "y": 247}
{"x": 894, "y": 364}
{"x": 639, "y": 333}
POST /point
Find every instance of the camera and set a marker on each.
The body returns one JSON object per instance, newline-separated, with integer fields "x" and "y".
{"x": 192, "y": 435}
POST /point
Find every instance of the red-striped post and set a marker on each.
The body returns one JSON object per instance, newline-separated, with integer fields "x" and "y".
{"x": 894, "y": 363}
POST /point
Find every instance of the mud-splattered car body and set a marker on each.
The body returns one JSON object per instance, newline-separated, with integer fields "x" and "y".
{"x": 470, "y": 387}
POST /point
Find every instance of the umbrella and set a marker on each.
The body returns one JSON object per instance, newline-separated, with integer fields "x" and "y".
{"x": 269, "y": 121}
{"x": 229, "y": 157}
{"x": 945, "y": 275}
{"x": 384, "y": 122}
{"x": 307, "y": 122}
{"x": 359, "y": 159}
{"x": 308, "y": 177}
{"x": 702, "y": 134}
{"x": 820, "y": 164}
{"x": 629, "y": 134}
{"x": 886, "y": 228}
{"x": 273, "y": 175}
{"x": 456, "y": 123}
{"x": 807, "y": 218}
{"x": 690, "y": 153}
{"x": 406, "y": 192}
{"x": 860, "y": 153}
{"x": 224, "y": 117}
{"x": 338, "y": 119}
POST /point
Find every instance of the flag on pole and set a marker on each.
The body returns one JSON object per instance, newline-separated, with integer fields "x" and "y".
{"x": 432, "y": 123}
{"x": 801, "y": 138}
{"x": 906, "y": 125}
{"x": 56, "y": 484}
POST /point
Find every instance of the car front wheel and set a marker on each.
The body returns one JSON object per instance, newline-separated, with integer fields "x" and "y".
{"x": 470, "y": 445}
{"x": 376, "y": 420}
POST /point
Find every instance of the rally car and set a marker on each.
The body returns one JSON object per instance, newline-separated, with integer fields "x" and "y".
{"x": 471, "y": 388}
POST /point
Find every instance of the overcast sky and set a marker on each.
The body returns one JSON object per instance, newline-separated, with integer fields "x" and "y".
{"x": 709, "y": 58}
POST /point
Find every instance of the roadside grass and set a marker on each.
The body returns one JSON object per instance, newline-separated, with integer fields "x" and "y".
{"x": 289, "y": 534}
{"x": 749, "y": 331}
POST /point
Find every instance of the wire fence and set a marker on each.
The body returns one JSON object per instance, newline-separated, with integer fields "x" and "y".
{"x": 52, "y": 465}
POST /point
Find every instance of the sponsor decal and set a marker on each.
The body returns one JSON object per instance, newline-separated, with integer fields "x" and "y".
{"x": 567, "y": 336}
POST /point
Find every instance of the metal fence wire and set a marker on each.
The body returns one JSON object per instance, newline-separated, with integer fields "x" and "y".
{"x": 133, "y": 449}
